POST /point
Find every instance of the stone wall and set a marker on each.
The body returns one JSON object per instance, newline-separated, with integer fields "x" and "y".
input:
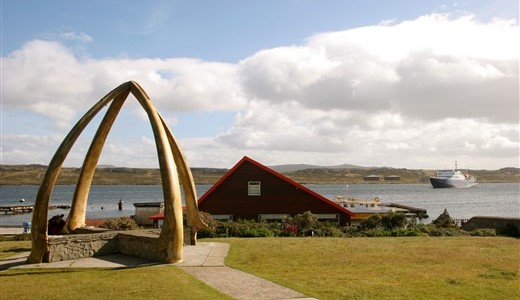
{"x": 507, "y": 226}
{"x": 140, "y": 244}
{"x": 137, "y": 243}
{"x": 66, "y": 247}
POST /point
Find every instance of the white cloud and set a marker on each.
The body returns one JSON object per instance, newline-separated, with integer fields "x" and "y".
{"x": 76, "y": 37}
{"x": 432, "y": 67}
{"x": 26, "y": 149}
{"x": 418, "y": 93}
{"x": 45, "y": 77}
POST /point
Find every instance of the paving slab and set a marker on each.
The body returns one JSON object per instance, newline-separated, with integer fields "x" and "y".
{"x": 241, "y": 285}
{"x": 204, "y": 254}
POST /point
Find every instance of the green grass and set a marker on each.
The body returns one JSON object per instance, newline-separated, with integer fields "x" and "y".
{"x": 324, "y": 268}
{"x": 164, "y": 282}
{"x": 10, "y": 248}
{"x": 159, "y": 282}
{"x": 389, "y": 268}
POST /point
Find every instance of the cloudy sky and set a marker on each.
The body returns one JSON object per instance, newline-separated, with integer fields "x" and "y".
{"x": 413, "y": 84}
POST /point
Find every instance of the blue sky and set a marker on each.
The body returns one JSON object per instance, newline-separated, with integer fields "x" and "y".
{"x": 414, "y": 84}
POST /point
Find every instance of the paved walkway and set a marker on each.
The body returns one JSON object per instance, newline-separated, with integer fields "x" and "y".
{"x": 204, "y": 261}
{"x": 11, "y": 230}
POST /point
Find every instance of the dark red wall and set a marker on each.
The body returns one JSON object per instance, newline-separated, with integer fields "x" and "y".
{"x": 277, "y": 197}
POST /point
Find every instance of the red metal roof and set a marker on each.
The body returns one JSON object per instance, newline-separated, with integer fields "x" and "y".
{"x": 160, "y": 216}
{"x": 279, "y": 175}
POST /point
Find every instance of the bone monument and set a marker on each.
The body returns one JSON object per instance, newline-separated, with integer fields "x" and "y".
{"x": 173, "y": 167}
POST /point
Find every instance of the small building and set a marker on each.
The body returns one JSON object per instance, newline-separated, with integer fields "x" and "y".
{"x": 372, "y": 178}
{"x": 158, "y": 218}
{"x": 252, "y": 191}
{"x": 392, "y": 178}
{"x": 144, "y": 210}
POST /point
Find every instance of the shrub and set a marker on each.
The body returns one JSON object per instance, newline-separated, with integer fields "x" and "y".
{"x": 255, "y": 232}
{"x": 444, "y": 220}
{"x": 242, "y": 228}
{"x": 376, "y": 232}
{"x": 371, "y": 223}
{"x": 434, "y": 230}
{"x": 375, "y": 226}
{"x": 483, "y": 232}
{"x": 329, "y": 230}
{"x": 406, "y": 232}
{"x": 393, "y": 220}
{"x": 351, "y": 231}
{"x": 305, "y": 222}
{"x": 122, "y": 223}
{"x": 208, "y": 232}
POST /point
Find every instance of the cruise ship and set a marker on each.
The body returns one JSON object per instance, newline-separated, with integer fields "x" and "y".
{"x": 452, "y": 179}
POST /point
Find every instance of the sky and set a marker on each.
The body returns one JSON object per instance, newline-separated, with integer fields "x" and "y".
{"x": 403, "y": 84}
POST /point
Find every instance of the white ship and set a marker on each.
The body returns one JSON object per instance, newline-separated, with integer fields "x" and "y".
{"x": 452, "y": 179}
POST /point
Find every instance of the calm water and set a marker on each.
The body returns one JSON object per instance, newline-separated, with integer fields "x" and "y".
{"x": 493, "y": 199}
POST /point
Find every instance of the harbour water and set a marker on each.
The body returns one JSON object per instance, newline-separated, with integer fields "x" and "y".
{"x": 485, "y": 199}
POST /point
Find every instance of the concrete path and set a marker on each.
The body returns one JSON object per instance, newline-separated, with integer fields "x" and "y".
{"x": 204, "y": 261}
{"x": 11, "y": 230}
{"x": 237, "y": 284}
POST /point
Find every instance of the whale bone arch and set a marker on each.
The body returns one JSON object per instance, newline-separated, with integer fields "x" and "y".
{"x": 172, "y": 163}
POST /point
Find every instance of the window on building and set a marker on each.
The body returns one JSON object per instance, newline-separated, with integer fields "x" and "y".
{"x": 272, "y": 217}
{"x": 328, "y": 217}
{"x": 223, "y": 218}
{"x": 253, "y": 188}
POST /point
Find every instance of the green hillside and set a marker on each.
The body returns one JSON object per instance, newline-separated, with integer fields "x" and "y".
{"x": 33, "y": 174}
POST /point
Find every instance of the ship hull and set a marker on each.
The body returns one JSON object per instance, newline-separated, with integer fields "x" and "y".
{"x": 450, "y": 183}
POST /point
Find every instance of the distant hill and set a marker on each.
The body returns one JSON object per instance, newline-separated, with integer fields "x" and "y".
{"x": 104, "y": 175}
{"x": 305, "y": 174}
{"x": 298, "y": 167}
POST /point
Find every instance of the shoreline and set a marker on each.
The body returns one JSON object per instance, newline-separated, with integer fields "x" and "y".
{"x": 302, "y": 181}
{"x": 6, "y": 229}
{"x": 96, "y": 222}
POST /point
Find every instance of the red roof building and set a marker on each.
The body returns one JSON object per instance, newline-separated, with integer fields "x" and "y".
{"x": 252, "y": 191}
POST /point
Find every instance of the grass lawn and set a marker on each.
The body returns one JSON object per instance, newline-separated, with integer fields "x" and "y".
{"x": 131, "y": 283}
{"x": 385, "y": 268}
{"x": 10, "y": 248}
{"x": 325, "y": 268}
{"x": 159, "y": 282}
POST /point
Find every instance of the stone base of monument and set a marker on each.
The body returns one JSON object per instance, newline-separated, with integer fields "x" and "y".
{"x": 91, "y": 242}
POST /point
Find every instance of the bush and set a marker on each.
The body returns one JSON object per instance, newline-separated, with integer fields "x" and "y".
{"x": 371, "y": 223}
{"x": 305, "y": 222}
{"x": 350, "y": 231}
{"x": 393, "y": 220}
{"x": 444, "y": 220}
{"x": 387, "y": 226}
{"x": 239, "y": 229}
{"x": 376, "y": 232}
{"x": 122, "y": 223}
{"x": 329, "y": 230}
{"x": 483, "y": 232}
{"x": 406, "y": 232}
{"x": 434, "y": 230}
